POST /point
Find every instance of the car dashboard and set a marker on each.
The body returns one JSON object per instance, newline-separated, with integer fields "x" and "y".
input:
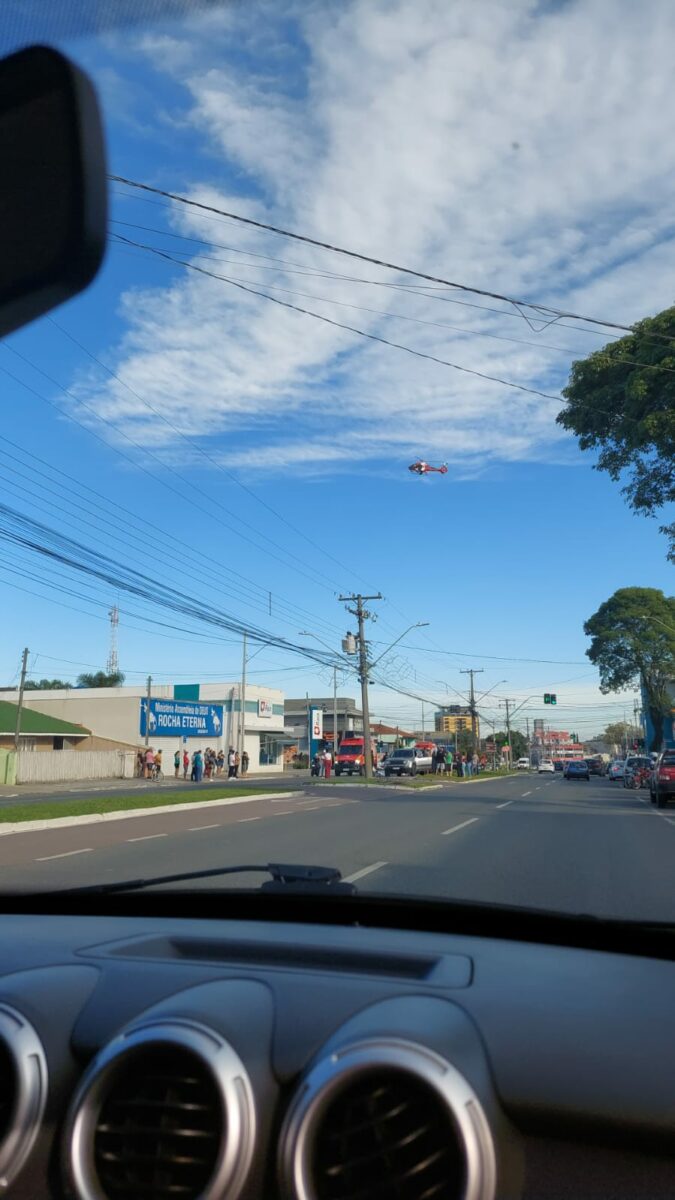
{"x": 153, "y": 1057}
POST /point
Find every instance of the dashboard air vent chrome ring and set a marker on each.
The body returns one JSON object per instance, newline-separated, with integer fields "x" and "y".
{"x": 23, "y": 1091}
{"x": 386, "y": 1117}
{"x": 165, "y": 1109}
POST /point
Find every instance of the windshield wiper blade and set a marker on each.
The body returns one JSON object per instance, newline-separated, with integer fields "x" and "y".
{"x": 284, "y": 875}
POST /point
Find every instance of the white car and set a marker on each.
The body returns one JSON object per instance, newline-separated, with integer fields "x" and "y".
{"x": 523, "y": 764}
{"x": 546, "y": 766}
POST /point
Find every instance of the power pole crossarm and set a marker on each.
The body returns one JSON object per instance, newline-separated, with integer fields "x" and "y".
{"x": 362, "y": 615}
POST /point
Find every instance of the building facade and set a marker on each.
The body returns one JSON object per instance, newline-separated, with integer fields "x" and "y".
{"x": 454, "y": 719}
{"x": 191, "y": 716}
{"x": 296, "y": 719}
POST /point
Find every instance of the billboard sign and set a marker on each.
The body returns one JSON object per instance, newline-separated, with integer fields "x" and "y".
{"x": 181, "y": 718}
{"x": 265, "y": 708}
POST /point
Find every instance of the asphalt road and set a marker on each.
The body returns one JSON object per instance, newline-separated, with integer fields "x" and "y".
{"x": 536, "y": 840}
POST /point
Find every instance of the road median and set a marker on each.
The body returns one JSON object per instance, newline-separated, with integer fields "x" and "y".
{"x": 59, "y": 814}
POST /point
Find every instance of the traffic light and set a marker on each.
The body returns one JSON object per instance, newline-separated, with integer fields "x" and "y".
{"x": 550, "y": 698}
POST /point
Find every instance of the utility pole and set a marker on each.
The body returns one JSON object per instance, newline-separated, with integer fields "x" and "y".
{"x": 422, "y": 720}
{"x": 147, "y": 710}
{"x": 471, "y": 671}
{"x": 22, "y": 684}
{"x": 506, "y": 704}
{"x": 527, "y": 726}
{"x": 363, "y": 615}
{"x": 335, "y": 732}
{"x": 242, "y": 704}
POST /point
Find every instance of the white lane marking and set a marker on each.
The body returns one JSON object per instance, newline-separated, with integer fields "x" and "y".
{"x": 66, "y": 854}
{"x": 455, "y": 828}
{"x": 364, "y": 871}
{"x": 147, "y": 837}
{"x": 314, "y": 808}
{"x": 527, "y": 793}
{"x": 194, "y": 828}
{"x": 505, "y": 804}
{"x": 284, "y": 812}
{"x": 242, "y": 820}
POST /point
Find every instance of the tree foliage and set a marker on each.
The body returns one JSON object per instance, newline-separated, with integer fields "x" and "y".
{"x": 633, "y": 641}
{"x": 100, "y": 679}
{"x": 621, "y": 401}
{"x": 518, "y": 743}
{"x": 615, "y": 733}
{"x": 43, "y": 685}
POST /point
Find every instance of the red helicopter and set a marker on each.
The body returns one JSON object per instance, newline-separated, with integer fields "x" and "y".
{"x": 423, "y": 468}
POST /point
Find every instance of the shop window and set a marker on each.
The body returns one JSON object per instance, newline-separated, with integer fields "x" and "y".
{"x": 270, "y": 750}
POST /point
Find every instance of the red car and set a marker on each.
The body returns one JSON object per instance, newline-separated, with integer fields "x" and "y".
{"x": 662, "y": 786}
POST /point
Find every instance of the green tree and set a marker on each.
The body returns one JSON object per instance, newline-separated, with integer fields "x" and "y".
{"x": 518, "y": 743}
{"x": 621, "y": 401}
{"x": 633, "y": 641}
{"x": 615, "y": 733}
{"x": 100, "y": 679}
{"x": 43, "y": 685}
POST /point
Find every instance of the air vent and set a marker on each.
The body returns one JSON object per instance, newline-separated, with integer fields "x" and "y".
{"x": 387, "y": 1120}
{"x": 23, "y": 1091}
{"x": 165, "y": 1111}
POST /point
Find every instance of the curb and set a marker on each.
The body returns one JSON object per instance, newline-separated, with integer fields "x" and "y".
{"x": 125, "y": 814}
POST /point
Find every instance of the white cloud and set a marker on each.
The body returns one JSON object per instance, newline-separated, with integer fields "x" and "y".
{"x": 516, "y": 147}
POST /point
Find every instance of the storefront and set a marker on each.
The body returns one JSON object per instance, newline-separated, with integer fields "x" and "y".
{"x": 193, "y": 716}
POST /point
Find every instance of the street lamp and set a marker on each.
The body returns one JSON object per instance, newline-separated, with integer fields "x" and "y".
{"x": 417, "y": 625}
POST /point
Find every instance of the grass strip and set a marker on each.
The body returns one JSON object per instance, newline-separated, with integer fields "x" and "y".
{"x": 45, "y": 810}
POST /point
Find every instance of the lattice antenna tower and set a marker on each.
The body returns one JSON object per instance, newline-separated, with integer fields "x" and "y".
{"x": 112, "y": 665}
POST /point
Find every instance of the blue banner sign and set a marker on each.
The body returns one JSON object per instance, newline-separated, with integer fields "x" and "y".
{"x": 181, "y": 718}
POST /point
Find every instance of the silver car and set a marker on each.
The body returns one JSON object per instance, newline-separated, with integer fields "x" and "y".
{"x": 408, "y": 762}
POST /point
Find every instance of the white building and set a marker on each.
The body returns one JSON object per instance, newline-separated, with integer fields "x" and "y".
{"x": 193, "y": 716}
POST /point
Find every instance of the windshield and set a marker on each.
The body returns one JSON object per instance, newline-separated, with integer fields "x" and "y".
{"x": 345, "y": 240}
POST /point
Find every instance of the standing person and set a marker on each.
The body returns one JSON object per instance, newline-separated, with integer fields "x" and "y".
{"x": 237, "y": 762}
{"x": 474, "y": 763}
{"x": 158, "y": 764}
{"x": 448, "y": 762}
{"x": 140, "y": 763}
{"x": 220, "y": 761}
{"x": 327, "y": 762}
{"x": 439, "y": 760}
{"x": 176, "y": 764}
{"x": 149, "y": 762}
{"x": 207, "y": 763}
{"x": 230, "y": 763}
{"x": 244, "y": 762}
{"x": 199, "y": 766}
{"x": 186, "y": 764}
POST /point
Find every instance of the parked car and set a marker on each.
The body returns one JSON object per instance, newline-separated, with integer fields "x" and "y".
{"x": 662, "y": 786}
{"x": 616, "y": 769}
{"x": 546, "y": 766}
{"x": 596, "y": 765}
{"x": 558, "y": 764}
{"x": 634, "y": 762}
{"x": 523, "y": 764}
{"x": 408, "y": 762}
{"x": 577, "y": 768}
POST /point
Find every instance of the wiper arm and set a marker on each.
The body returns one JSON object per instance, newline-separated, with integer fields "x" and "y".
{"x": 283, "y": 876}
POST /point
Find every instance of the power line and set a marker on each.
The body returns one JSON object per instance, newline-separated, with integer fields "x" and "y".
{"x": 194, "y": 445}
{"x": 543, "y": 309}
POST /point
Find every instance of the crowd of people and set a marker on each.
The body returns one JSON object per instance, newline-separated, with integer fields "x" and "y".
{"x": 446, "y": 761}
{"x": 322, "y": 764}
{"x": 201, "y": 764}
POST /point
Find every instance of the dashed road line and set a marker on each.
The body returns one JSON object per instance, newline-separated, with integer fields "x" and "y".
{"x": 505, "y": 804}
{"x": 194, "y": 828}
{"x": 148, "y": 837}
{"x": 526, "y": 794}
{"x": 284, "y": 812}
{"x": 363, "y": 872}
{"x": 242, "y": 820}
{"x": 456, "y": 828}
{"x": 66, "y": 854}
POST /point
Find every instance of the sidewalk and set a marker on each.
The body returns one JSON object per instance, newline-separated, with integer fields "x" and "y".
{"x": 16, "y": 790}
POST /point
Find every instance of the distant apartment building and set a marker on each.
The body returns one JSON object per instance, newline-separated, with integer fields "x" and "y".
{"x": 456, "y": 718}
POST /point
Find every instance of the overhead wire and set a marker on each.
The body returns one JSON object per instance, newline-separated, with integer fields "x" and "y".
{"x": 545, "y": 310}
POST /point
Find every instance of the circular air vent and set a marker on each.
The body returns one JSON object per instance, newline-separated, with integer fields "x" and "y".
{"x": 387, "y": 1120}
{"x": 23, "y": 1091}
{"x": 165, "y": 1111}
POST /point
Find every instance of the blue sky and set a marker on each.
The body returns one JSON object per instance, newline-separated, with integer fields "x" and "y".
{"x": 520, "y": 150}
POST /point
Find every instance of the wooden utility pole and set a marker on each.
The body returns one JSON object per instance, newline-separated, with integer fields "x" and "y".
{"x": 363, "y": 615}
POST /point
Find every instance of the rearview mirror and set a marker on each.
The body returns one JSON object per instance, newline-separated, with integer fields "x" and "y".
{"x": 53, "y": 209}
